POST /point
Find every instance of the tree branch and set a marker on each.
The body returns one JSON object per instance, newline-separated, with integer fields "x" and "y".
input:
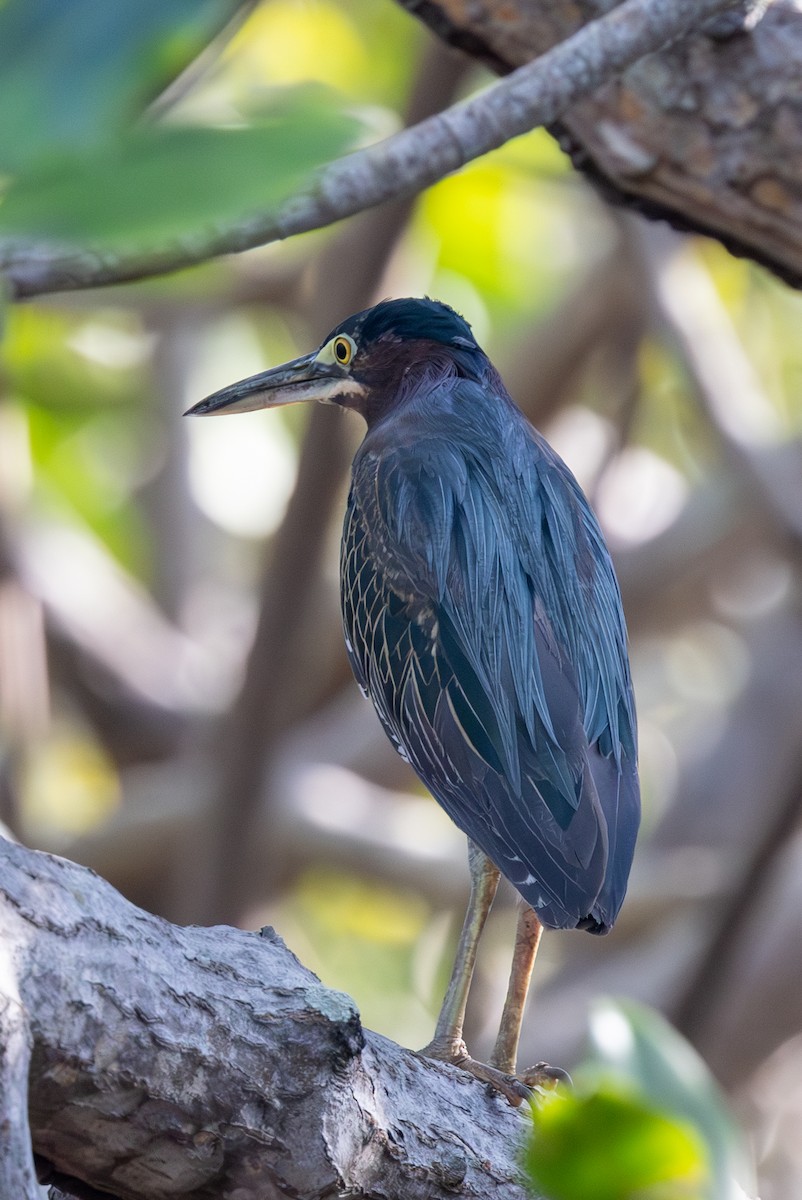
{"x": 17, "y": 1175}
{"x": 706, "y": 134}
{"x": 414, "y": 158}
{"x": 196, "y": 1063}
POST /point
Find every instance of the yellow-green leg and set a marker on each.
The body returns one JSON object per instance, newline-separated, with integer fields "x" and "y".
{"x": 447, "y": 1042}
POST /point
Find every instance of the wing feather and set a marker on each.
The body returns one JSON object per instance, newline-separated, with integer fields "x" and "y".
{"x": 483, "y": 618}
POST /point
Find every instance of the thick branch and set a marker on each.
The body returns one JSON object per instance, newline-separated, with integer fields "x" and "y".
{"x": 197, "y": 1063}
{"x": 17, "y": 1176}
{"x": 706, "y": 134}
{"x": 536, "y": 94}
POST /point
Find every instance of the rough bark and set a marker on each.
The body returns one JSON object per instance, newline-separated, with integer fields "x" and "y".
{"x": 152, "y": 1061}
{"x": 707, "y": 133}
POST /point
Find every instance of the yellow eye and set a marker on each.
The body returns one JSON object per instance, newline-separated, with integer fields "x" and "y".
{"x": 343, "y": 349}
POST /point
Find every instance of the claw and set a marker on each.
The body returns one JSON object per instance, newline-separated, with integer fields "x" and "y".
{"x": 545, "y": 1078}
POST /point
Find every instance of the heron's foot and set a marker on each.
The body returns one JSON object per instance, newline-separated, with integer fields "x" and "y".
{"x": 454, "y": 1050}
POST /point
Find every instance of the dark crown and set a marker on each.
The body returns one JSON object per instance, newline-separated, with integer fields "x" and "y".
{"x": 409, "y": 320}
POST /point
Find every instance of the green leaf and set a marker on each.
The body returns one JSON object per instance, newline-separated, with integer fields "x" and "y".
{"x": 637, "y": 1045}
{"x": 159, "y": 184}
{"x": 645, "y": 1121}
{"x": 609, "y": 1145}
{"x": 75, "y": 72}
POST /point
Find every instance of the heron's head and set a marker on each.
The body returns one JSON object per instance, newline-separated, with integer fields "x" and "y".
{"x": 371, "y": 362}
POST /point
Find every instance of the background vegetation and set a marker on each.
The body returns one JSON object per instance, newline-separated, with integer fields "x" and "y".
{"x": 175, "y": 705}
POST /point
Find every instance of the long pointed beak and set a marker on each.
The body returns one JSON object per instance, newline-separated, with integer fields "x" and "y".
{"x": 305, "y": 378}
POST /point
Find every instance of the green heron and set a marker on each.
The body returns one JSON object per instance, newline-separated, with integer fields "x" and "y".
{"x": 483, "y": 619}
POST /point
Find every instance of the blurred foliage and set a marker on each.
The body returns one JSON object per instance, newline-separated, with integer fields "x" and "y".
{"x": 155, "y": 185}
{"x": 84, "y": 419}
{"x": 70, "y": 783}
{"x": 348, "y": 928}
{"x": 644, "y": 1121}
{"x": 487, "y": 236}
{"x": 366, "y": 51}
{"x": 610, "y": 1146}
{"x": 72, "y": 75}
{"x": 88, "y": 177}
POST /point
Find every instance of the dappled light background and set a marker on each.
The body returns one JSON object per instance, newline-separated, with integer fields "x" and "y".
{"x": 176, "y": 709}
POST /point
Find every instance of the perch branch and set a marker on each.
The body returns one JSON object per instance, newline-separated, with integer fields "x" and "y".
{"x": 196, "y": 1063}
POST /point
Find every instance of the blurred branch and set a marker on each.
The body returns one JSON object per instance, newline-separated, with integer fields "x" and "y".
{"x": 24, "y": 683}
{"x": 131, "y": 727}
{"x": 24, "y": 690}
{"x": 603, "y": 307}
{"x": 106, "y": 612}
{"x": 710, "y": 986}
{"x": 165, "y": 498}
{"x": 404, "y": 164}
{"x": 254, "y": 284}
{"x": 137, "y": 678}
{"x": 106, "y": 1012}
{"x": 666, "y": 581}
{"x": 265, "y": 701}
{"x": 746, "y": 424}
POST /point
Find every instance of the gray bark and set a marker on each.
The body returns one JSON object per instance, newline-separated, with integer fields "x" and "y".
{"x": 706, "y": 133}
{"x": 153, "y": 1061}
